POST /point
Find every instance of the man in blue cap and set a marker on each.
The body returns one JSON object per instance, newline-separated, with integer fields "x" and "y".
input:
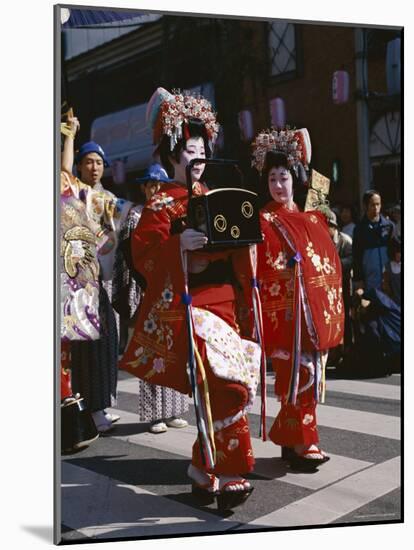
{"x": 90, "y": 159}
{"x": 149, "y": 183}
{"x": 90, "y": 162}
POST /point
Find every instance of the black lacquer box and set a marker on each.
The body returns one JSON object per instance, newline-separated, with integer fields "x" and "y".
{"x": 228, "y": 216}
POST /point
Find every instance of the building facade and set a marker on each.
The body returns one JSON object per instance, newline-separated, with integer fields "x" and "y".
{"x": 243, "y": 66}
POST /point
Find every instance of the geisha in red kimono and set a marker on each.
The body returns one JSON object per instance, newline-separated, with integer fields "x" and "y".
{"x": 299, "y": 275}
{"x": 189, "y": 309}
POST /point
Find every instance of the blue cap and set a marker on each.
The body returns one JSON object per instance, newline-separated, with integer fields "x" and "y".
{"x": 155, "y": 172}
{"x": 91, "y": 147}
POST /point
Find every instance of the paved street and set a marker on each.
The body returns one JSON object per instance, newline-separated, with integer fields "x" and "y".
{"x": 131, "y": 483}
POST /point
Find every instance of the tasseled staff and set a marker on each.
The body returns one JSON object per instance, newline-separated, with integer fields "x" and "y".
{"x": 258, "y": 321}
{"x": 319, "y": 377}
{"x": 202, "y": 409}
{"x": 297, "y": 321}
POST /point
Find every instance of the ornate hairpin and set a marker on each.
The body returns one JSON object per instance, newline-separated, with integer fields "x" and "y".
{"x": 295, "y": 144}
{"x": 167, "y": 112}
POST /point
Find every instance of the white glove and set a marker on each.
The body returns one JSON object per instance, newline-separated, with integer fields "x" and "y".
{"x": 192, "y": 240}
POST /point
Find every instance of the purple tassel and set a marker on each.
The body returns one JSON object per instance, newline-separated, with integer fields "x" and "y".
{"x": 297, "y": 350}
{"x": 254, "y": 283}
{"x": 295, "y": 259}
{"x": 186, "y": 298}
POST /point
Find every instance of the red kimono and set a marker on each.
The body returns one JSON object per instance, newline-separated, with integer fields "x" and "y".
{"x": 300, "y": 279}
{"x": 158, "y": 351}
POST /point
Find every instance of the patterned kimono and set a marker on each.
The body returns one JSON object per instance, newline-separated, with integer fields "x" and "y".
{"x": 81, "y": 235}
{"x": 158, "y": 351}
{"x": 93, "y": 355}
{"x": 300, "y": 281}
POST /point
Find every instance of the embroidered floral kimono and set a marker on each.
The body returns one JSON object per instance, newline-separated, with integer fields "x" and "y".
{"x": 86, "y": 221}
{"x": 300, "y": 281}
{"x": 90, "y": 218}
{"x": 158, "y": 351}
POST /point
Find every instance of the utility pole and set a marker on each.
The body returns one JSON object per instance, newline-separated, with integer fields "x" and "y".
{"x": 364, "y": 162}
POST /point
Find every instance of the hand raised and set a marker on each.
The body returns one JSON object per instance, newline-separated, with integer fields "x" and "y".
{"x": 73, "y": 124}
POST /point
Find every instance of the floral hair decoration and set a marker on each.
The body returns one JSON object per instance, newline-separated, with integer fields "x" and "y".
{"x": 295, "y": 144}
{"x": 167, "y": 114}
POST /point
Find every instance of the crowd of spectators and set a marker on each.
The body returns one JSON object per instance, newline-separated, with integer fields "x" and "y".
{"x": 371, "y": 255}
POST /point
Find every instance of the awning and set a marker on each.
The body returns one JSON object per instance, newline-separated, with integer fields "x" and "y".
{"x": 124, "y": 135}
{"x": 82, "y": 18}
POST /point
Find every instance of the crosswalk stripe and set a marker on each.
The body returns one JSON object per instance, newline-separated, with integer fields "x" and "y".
{"x": 115, "y": 509}
{"x": 358, "y": 387}
{"x": 377, "y": 424}
{"x": 128, "y": 384}
{"x": 351, "y": 387}
{"x": 180, "y": 442}
{"x": 340, "y": 487}
{"x": 367, "y": 389}
{"x": 335, "y": 501}
{"x": 380, "y": 425}
{"x": 337, "y": 468}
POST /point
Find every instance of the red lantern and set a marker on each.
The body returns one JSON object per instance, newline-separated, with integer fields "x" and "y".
{"x": 340, "y": 87}
{"x": 246, "y": 125}
{"x": 278, "y": 112}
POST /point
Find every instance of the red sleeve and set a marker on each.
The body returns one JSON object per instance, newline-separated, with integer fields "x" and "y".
{"x": 151, "y": 242}
{"x": 157, "y": 351}
{"x": 243, "y": 272}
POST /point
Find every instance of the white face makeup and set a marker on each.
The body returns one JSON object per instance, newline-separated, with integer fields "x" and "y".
{"x": 281, "y": 185}
{"x": 194, "y": 149}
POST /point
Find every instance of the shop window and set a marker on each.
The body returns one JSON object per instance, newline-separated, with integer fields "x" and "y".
{"x": 282, "y": 43}
{"x": 385, "y": 153}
